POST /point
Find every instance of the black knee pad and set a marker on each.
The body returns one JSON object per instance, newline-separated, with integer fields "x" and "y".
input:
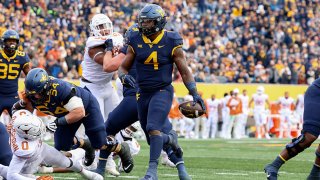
{"x": 294, "y": 147}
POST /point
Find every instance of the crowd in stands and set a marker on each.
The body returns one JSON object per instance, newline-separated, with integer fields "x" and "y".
{"x": 226, "y": 41}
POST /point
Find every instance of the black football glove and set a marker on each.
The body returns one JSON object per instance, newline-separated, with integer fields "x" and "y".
{"x": 128, "y": 81}
{"x": 197, "y": 99}
{"x": 109, "y": 45}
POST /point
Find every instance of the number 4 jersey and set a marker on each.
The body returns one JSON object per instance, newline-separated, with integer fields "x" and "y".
{"x": 154, "y": 60}
{"x": 10, "y": 69}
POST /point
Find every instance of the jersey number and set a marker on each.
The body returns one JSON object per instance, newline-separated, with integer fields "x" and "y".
{"x": 9, "y": 70}
{"x": 153, "y": 59}
{"x": 24, "y": 145}
{"x": 58, "y": 110}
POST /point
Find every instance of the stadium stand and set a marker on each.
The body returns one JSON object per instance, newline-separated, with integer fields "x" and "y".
{"x": 255, "y": 42}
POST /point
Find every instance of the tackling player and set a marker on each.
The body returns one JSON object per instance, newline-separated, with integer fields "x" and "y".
{"x": 72, "y": 106}
{"x": 29, "y": 151}
{"x": 154, "y": 50}
{"x": 310, "y": 132}
{"x": 12, "y": 62}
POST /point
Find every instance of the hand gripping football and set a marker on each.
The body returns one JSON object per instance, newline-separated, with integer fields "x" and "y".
{"x": 191, "y": 111}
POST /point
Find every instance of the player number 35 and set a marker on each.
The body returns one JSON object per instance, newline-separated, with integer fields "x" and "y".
{"x": 9, "y": 70}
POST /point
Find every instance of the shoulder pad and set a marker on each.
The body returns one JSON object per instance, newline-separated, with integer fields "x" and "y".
{"x": 175, "y": 36}
{"x": 21, "y": 53}
{"x": 95, "y": 41}
{"x": 131, "y": 38}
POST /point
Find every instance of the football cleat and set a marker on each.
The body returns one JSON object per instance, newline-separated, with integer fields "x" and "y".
{"x": 126, "y": 158}
{"x": 150, "y": 176}
{"x": 90, "y": 175}
{"x": 271, "y": 174}
{"x": 111, "y": 167}
{"x": 184, "y": 176}
{"x": 90, "y": 153}
{"x": 166, "y": 162}
{"x": 173, "y": 142}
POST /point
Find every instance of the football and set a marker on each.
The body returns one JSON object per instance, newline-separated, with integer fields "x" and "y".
{"x": 191, "y": 111}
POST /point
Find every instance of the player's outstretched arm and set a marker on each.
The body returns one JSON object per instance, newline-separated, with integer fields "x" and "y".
{"x": 111, "y": 64}
{"x": 188, "y": 80}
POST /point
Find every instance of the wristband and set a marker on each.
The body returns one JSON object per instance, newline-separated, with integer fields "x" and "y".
{"x": 61, "y": 121}
{"x": 192, "y": 88}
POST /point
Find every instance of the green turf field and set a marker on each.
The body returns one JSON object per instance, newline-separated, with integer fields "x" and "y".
{"x": 224, "y": 159}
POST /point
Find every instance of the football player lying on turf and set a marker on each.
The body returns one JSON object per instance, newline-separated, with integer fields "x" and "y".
{"x": 29, "y": 151}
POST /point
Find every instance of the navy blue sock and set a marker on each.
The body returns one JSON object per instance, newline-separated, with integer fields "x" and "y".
{"x": 165, "y": 138}
{"x": 178, "y": 161}
{"x": 156, "y": 144}
{"x": 103, "y": 156}
{"x": 315, "y": 171}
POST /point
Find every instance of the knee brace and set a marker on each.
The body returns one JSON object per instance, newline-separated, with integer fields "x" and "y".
{"x": 294, "y": 147}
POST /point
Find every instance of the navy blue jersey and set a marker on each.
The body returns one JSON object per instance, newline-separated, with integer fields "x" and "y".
{"x": 10, "y": 69}
{"x": 133, "y": 70}
{"x": 59, "y": 95}
{"x": 154, "y": 62}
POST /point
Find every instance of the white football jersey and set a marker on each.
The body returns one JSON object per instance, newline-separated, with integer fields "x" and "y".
{"x": 224, "y": 102}
{"x": 300, "y": 105}
{"x": 25, "y": 148}
{"x": 285, "y": 103}
{"x": 213, "y": 106}
{"x": 93, "y": 71}
{"x": 260, "y": 101}
{"x": 245, "y": 103}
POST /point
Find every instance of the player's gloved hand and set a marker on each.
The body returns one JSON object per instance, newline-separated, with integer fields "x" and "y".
{"x": 128, "y": 81}
{"x": 52, "y": 126}
{"x": 109, "y": 45}
{"x": 197, "y": 99}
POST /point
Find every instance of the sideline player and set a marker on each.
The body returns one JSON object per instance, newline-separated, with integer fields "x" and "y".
{"x": 285, "y": 103}
{"x": 29, "y": 151}
{"x": 299, "y": 108}
{"x": 12, "y": 62}
{"x": 214, "y": 112}
{"x": 154, "y": 51}
{"x": 260, "y": 99}
{"x": 310, "y": 132}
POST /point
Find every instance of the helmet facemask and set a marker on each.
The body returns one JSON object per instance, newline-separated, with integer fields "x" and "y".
{"x": 10, "y": 45}
{"x": 40, "y": 96}
{"x": 101, "y": 25}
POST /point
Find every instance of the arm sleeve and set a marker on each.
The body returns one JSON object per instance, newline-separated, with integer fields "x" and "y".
{"x": 15, "y": 167}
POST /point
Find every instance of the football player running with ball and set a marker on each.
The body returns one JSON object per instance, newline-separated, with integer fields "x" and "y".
{"x": 154, "y": 51}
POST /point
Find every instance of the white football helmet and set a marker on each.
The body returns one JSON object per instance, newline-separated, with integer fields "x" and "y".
{"x": 28, "y": 126}
{"x": 101, "y": 25}
{"x": 260, "y": 89}
{"x": 236, "y": 91}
